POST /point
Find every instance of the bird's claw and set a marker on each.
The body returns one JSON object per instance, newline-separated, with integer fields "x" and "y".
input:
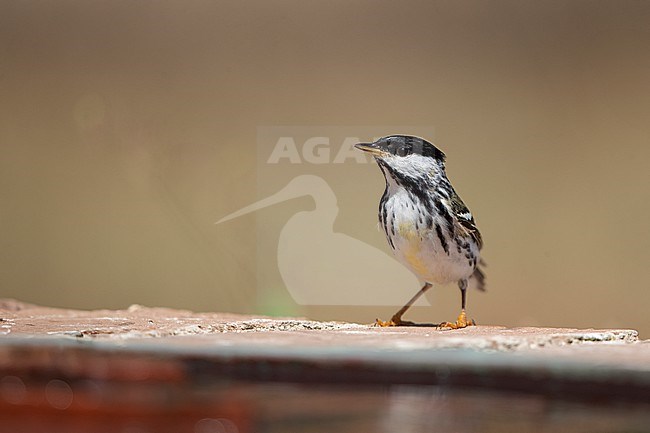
{"x": 384, "y": 324}
{"x": 461, "y": 322}
{"x": 394, "y": 321}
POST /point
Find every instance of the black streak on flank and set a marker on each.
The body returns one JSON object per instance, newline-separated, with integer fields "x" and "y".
{"x": 443, "y": 241}
{"x": 383, "y": 208}
{"x": 444, "y": 212}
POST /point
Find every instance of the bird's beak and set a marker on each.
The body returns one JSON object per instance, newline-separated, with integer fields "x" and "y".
{"x": 371, "y": 148}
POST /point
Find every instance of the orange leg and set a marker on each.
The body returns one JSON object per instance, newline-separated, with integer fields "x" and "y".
{"x": 462, "y": 321}
{"x": 396, "y": 320}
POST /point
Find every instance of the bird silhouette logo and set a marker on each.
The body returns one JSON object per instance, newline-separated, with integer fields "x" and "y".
{"x": 322, "y": 267}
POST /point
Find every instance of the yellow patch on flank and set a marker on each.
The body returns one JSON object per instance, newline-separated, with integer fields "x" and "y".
{"x": 418, "y": 266}
{"x": 408, "y": 231}
{"x": 411, "y": 254}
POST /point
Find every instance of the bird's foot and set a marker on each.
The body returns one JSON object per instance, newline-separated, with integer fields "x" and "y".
{"x": 394, "y": 321}
{"x": 461, "y": 322}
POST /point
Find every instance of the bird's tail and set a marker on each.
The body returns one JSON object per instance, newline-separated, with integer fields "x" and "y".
{"x": 478, "y": 278}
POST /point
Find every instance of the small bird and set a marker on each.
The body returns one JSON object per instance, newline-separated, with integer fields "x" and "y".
{"x": 427, "y": 225}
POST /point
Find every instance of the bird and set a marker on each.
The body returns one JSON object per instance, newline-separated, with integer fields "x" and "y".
{"x": 428, "y": 227}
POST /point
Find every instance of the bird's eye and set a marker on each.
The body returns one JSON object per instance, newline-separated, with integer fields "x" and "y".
{"x": 402, "y": 151}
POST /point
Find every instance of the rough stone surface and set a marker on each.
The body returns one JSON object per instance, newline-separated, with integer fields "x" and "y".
{"x": 138, "y": 324}
{"x": 171, "y": 370}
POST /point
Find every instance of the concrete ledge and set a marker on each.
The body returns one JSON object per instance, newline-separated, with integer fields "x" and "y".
{"x": 156, "y": 369}
{"x": 609, "y": 364}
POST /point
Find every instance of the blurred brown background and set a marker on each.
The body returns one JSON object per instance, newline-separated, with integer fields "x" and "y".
{"x": 128, "y": 128}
